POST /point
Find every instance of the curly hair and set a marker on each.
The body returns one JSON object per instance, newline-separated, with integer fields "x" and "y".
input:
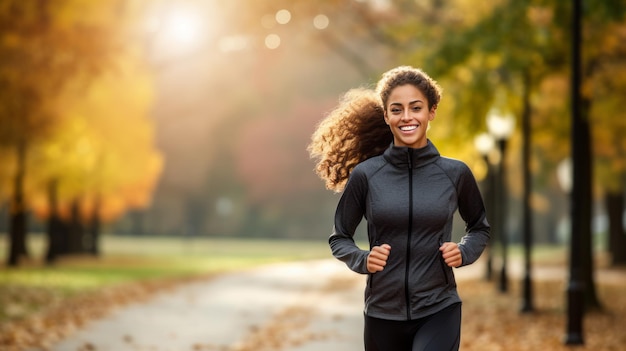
{"x": 356, "y": 130}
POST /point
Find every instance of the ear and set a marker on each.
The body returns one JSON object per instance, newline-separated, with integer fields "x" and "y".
{"x": 386, "y": 117}
{"x": 432, "y": 113}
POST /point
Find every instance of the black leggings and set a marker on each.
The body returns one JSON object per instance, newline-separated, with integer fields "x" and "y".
{"x": 438, "y": 332}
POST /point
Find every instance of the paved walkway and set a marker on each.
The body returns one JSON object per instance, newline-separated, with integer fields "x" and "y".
{"x": 302, "y": 306}
{"x": 235, "y": 310}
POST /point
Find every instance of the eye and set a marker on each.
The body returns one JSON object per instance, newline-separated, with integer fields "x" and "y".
{"x": 417, "y": 108}
{"x": 395, "y": 110}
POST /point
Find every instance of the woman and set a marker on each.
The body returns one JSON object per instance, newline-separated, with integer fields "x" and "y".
{"x": 374, "y": 148}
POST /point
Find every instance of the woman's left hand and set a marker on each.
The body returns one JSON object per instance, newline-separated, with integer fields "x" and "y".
{"x": 451, "y": 254}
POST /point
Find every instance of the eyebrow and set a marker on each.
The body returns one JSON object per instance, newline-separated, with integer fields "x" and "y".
{"x": 410, "y": 103}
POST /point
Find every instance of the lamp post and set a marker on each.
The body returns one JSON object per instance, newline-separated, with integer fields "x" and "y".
{"x": 484, "y": 143}
{"x": 580, "y": 199}
{"x": 501, "y": 127}
{"x": 575, "y": 286}
{"x": 527, "y": 286}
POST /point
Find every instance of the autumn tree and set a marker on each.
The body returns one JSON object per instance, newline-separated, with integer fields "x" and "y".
{"x": 38, "y": 50}
{"x": 605, "y": 83}
{"x": 529, "y": 40}
{"x": 46, "y": 45}
{"x": 103, "y": 161}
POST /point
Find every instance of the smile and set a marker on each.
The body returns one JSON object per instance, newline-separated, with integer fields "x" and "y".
{"x": 408, "y": 128}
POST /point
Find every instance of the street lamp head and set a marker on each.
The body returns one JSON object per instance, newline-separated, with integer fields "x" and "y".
{"x": 500, "y": 125}
{"x": 564, "y": 175}
{"x": 484, "y": 143}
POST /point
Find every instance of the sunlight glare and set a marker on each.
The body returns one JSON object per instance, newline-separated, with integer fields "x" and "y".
{"x": 182, "y": 28}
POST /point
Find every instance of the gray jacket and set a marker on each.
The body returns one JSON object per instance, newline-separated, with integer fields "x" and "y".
{"x": 409, "y": 197}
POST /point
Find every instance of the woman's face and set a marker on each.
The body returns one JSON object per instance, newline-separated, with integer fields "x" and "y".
{"x": 407, "y": 115}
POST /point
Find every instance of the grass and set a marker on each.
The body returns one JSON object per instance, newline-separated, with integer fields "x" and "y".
{"x": 126, "y": 259}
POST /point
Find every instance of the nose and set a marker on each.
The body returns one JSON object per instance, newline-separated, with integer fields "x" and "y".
{"x": 406, "y": 115}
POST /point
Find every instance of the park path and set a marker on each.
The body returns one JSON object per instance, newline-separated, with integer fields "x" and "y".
{"x": 299, "y": 306}
{"x": 281, "y": 306}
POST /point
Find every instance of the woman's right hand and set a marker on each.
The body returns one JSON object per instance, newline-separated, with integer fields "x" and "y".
{"x": 377, "y": 258}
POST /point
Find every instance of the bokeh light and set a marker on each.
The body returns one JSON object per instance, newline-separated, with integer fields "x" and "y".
{"x": 283, "y": 16}
{"x": 272, "y": 41}
{"x": 321, "y": 21}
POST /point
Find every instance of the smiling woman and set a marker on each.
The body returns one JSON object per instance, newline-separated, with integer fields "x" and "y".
{"x": 408, "y": 194}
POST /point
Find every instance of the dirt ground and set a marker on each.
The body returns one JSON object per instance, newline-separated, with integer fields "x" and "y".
{"x": 492, "y": 320}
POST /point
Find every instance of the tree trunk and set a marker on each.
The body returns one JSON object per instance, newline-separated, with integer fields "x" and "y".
{"x": 55, "y": 231}
{"x": 76, "y": 230}
{"x": 94, "y": 229}
{"x": 17, "y": 211}
{"x": 16, "y": 236}
{"x": 64, "y": 230}
{"x": 617, "y": 236}
{"x": 527, "y": 214}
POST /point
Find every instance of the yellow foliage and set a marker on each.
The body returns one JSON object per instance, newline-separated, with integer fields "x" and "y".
{"x": 541, "y": 16}
{"x": 104, "y": 152}
{"x": 472, "y": 11}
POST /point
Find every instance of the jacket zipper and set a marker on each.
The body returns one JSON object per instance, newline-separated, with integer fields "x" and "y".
{"x": 408, "y": 240}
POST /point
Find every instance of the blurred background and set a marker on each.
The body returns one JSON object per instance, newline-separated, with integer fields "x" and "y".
{"x": 167, "y": 139}
{"x": 191, "y": 118}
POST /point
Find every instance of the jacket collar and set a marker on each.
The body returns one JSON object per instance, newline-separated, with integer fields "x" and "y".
{"x": 406, "y": 157}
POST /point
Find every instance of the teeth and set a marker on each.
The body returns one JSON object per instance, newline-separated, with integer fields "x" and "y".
{"x": 407, "y": 128}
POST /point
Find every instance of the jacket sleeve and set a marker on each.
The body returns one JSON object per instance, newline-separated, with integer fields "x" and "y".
{"x": 472, "y": 210}
{"x": 349, "y": 213}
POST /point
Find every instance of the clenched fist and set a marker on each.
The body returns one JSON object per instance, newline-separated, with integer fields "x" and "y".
{"x": 451, "y": 254}
{"x": 377, "y": 258}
